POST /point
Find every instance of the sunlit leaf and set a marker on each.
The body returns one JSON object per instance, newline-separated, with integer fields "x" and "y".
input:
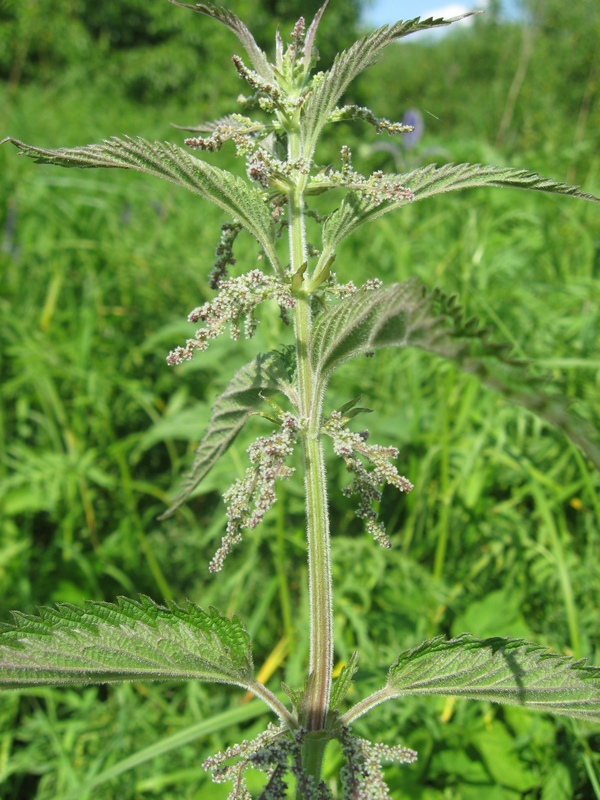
{"x": 263, "y": 376}
{"x": 132, "y": 640}
{"x": 172, "y": 163}
{"x": 310, "y": 36}
{"x": 431, "y": 180}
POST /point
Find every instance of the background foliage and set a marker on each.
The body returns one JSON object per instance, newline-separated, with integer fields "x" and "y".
{"x": 501, "y": 534}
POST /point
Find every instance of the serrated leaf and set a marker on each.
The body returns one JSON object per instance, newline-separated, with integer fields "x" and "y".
{"x": 130, "y": 640}
{"x": 330, "y": 85}
{"x": 343, "y": 684}
{"x": 263, "y": 376}
{"x": 229, "y": 19}
{"x": 431, "y": 180}
{"x": 508, "y": 671}
{"x": 406, "y": 315}
{"x": 172, "y": 163}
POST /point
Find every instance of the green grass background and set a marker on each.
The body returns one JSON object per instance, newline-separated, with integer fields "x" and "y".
{"x": 501, "y": 534}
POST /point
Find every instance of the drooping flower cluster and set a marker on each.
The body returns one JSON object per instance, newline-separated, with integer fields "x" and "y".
{"x": 362, "y": 777}
{"x": 276, "y": 752}
{"x": 237, "y": 299}
{"x": 367, "y": 483}
{"x": 224, "y": 255}
{"x": 233, "y": 126}
{"x": 249, "y": 499}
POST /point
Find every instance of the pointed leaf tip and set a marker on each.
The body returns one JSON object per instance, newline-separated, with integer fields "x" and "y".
{"x": 231, "y": 21}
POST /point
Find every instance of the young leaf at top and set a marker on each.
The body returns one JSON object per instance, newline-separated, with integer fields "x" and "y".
{"x": 228, "y": 18}
{"x": 133, "y": 640}
{"x": 263, "y": 376}
{"x": 310, "y": 36}
{"x": 406, "y": 315}
{"x": 429, "y": 181}
{"x": 508, "y": 671}
{"x": 172, "y": 163}
{"x": 330, "y": 86}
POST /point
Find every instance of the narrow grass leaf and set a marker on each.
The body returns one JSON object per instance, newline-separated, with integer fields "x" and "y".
{"x": 263, "y": 376}
{"x": 130, "y": 640}
{"x": 167, "y": 744}
{"x": 508, "y": 671}
{"x": 172, "y": 163}
{"x": 328, "y": 87}
{"x": 432, "y": 180}
{"x": 229, "y": 19}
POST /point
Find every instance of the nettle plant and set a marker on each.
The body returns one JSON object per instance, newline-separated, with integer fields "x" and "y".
{"x": 332, "y": 322}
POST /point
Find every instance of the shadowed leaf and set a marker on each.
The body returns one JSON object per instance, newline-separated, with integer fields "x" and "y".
{"x": 343, "y": 683}
{"x": 407, "y": 315}
{"x": 508, "y": 671}
{"x": 263, "y": 376}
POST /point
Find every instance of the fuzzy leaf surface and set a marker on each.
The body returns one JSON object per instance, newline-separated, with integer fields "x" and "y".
{"x": 174, "y": 164}
{"x": 263, "y": 376}
{"x": 431, "y": 180}
{"x": 407, "y": 315}
{"x": 330, "y": 86}
{"x": 343, "y": 683}
{"x": 229, "y": 19}
{"x": 130, "y": 640}
{"x": 385, "y": 317}
{"x": 508, "y": 671}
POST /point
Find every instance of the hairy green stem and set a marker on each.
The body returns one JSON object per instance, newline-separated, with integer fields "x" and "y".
{"x": 317, "y": 517}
